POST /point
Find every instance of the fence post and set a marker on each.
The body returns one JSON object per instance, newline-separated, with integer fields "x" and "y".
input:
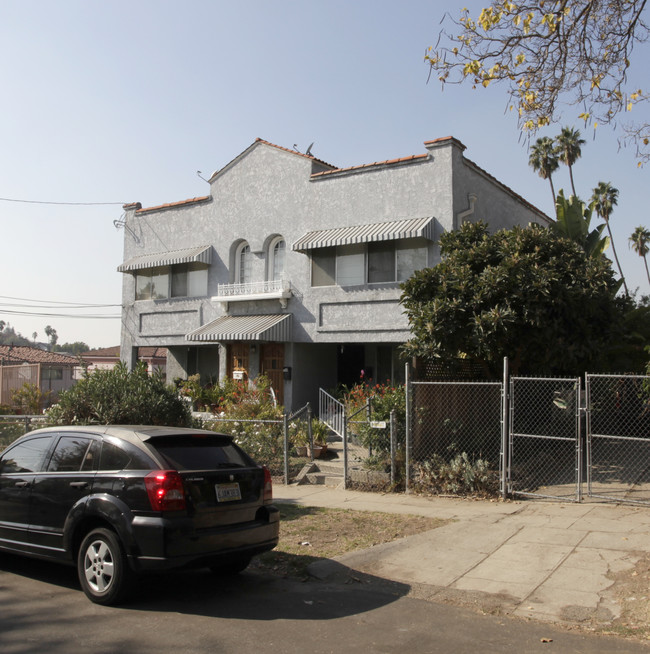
{"x": 285, "y": 425}
{"x": 505, "y": 430}
{"x": 345, "y": 448}
{"x": 407, "y": 454}
{"x": 392, "y": 448}
{"x": 310, "y": 436}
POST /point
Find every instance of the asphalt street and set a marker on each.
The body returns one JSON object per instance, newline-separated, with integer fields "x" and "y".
{"x": 43, "y": 610}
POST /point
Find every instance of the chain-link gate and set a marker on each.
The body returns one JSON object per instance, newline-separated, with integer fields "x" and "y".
{"x": 455, "y": 436}
{"x": 618, "y": 437}
{"x": 545, "y": 453}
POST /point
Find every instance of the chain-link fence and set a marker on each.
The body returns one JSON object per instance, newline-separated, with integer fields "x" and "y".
{"x": 618, "y": 443}
{"x": 545, "y": 446}
{"x": 284, "y": 446}
{"x": 11, "y": 427}
{"x": 455, "y": 437}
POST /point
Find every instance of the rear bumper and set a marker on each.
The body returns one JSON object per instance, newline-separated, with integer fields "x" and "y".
{"x": 164, "y": 544}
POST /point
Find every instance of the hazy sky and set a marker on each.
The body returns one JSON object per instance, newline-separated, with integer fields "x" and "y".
{"x": 123, "y": 101}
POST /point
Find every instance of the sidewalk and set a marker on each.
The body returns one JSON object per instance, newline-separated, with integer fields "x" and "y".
{"x": 543, "y": 560}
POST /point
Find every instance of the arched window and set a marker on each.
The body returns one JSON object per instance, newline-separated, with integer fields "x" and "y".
{"x": 243, "y": 263}
{"x": 277, "y": 251}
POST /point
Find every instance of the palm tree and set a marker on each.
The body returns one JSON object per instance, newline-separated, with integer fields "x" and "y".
{"x": 544, "y": 161}
{"x": 604, "y": 199}
{"x": 568, "y": 149}
{"x": 640, "y": 243}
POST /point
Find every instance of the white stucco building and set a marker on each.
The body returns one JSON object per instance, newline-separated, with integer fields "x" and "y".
{"x": 292, "y": 267}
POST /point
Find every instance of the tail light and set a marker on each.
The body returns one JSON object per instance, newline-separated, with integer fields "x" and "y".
{"x": 268, "y": 485}
{"x": 165, "y": 490}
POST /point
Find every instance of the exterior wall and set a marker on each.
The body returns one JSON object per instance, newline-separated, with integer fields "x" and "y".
{"x": 268, "y": 191}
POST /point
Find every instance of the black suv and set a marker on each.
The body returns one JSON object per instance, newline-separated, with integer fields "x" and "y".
{"x": 117, "y": 501}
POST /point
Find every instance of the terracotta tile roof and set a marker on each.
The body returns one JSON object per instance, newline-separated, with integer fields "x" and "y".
{"x": 376, "y": 164}
{"x": 24, "y": 354}
{"x": 169, "y": 205}
{"x": 307, "y": 156}
{"x": 152, "y": 353}
{"x": 114, "y": 352}
{"x": 102, "y": 352}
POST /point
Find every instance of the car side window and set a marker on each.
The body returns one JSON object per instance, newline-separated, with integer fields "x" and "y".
{"x": 123, "y": 457}
{"x": 69, "y": 454}
{"x": 27, "y": 456}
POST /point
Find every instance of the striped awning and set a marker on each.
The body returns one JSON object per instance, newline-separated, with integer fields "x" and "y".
{"x": 200, "y": 254}
{"x": 273, "y": 327}
{"x": 387, "y": 231}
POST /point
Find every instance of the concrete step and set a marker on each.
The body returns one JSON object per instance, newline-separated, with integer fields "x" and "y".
{"x": 321, "y": 479}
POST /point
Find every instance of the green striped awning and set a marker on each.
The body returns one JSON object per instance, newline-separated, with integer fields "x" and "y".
{"x": 386, "y": 231}
{"x": 200, "y": 254}
{"x": 273, "y": 327}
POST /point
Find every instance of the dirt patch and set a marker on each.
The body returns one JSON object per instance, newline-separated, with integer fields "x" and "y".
{"x": 308, "y": 534}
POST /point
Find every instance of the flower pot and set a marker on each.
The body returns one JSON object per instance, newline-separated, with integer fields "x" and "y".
{"x": 316, "y": 451}
{"x": 301, "y": 450}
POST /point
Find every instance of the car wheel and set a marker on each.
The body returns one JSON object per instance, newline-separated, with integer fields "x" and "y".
{"x": 103, "y": 570}
{"x": 233, "y": 567}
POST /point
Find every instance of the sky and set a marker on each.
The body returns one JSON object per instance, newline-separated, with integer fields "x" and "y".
{"x": 124, "y": 101}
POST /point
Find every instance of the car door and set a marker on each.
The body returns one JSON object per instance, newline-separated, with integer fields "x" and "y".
{"x": 19, "y": 465}
{"x": 62, "y": 488}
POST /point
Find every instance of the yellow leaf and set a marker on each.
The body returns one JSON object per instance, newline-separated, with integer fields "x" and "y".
{"x": 629, "y": 106}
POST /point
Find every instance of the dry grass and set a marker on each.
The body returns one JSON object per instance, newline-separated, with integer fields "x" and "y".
{"x": 311, "y": 533}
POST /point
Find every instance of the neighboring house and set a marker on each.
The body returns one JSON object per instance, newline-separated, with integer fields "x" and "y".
{"x": 292, "y": 267}
{"x": 50, "y": 371}
{"x": 105, "y": 358}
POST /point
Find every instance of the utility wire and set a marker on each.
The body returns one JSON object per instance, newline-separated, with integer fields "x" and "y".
{"x": 71, "y": 305}
{"x": 61, "y": 315}
{"x": 85, "y": 204}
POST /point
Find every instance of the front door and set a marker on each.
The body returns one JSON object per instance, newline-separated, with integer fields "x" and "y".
{"x": 272, "y": 364}
{"x": 238, "y": 361}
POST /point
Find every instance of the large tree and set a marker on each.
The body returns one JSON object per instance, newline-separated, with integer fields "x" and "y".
{"x": 525, "y": 293}
{"x": 603, "y": 200}
{"x": 550, "y": 53}
{"x": 640, "y": 243}
{"x": 543, "y": 160}
{"x": 569, "y": 149}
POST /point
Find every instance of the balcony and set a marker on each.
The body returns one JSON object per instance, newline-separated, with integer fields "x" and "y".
{"x": 279, "y": 289}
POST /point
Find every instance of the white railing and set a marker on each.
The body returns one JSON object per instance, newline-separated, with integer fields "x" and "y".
{"x": 270, "y": 287}
{"x": 331, "y": 412}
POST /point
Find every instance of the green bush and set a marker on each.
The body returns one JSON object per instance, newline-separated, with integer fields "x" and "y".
{"x": 29, "y": 398}
{"x": 460, "y": 476}
{"x": 383, "y": 399}
{"x": 121, "y": 397}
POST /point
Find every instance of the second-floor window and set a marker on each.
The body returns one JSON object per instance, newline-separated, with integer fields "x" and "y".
{"x": 277, "y": 251}
{"x": 368, "y": 263}
{"x": 243, "y": 264}
{"x": 180, "y": 280}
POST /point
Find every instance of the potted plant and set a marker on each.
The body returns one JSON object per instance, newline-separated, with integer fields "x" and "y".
{"x": 299, "y": 438}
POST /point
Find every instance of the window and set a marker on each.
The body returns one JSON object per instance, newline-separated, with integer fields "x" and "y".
{"x": 52, "y": 374}
{"x": 410, "y": 258}
{"x": 26, "y": 456}
{"x": 323, "y": 267}
{"x": 70, "y": 455}
{"x": 179, "y": 280}
{"x": 277, "y": 250}
{"x": 243, "y": 263}
{"x": 368, "y": 263}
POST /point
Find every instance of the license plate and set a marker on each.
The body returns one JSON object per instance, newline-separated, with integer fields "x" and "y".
{"x": 228, "y": 492}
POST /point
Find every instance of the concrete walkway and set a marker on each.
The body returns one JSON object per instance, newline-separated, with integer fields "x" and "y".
{"x": 544, "y": 560}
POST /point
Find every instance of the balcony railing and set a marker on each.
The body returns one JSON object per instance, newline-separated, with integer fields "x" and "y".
{"x": 279, "y": 289}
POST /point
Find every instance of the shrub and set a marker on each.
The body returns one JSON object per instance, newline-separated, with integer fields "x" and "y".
{"x": 383, "y": 399}
{"x": 120, "y": 396}
{"x": 29, "y": 398}
{"x": 460, "y": 476}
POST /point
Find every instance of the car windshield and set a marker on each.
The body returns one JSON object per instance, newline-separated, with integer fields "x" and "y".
{"x": 199, "y": 452}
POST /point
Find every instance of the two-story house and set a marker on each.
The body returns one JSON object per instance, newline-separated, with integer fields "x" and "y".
{"x": 292, "y": 267}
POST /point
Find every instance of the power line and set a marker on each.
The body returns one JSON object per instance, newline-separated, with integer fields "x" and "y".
{"x": 81, "y": 305}
{"x": 84, "y": 204}
{"x": 61, "y": 315}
